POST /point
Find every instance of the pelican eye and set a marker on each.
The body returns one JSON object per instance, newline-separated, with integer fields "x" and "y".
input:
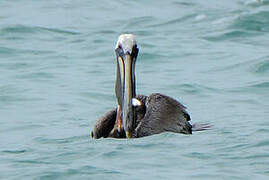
{"x": 119, "y": 51}
{"x": 135, "y": 51}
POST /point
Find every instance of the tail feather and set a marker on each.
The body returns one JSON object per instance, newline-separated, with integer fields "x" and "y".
{"x": 201, "y": 127}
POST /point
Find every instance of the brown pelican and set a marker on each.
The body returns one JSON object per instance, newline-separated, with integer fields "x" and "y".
{"x": 139, "y": 115}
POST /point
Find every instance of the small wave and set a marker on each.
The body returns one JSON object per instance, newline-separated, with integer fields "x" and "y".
{"x": 262, "y": 67}
{"x": 186, "y": 4}
{"x": 61, "y": 31}
{"x": 140, "y": 21}
{"x": 260, "y": 87}
{"x": 32, "y": 162}
{"x": 196, "y": 89}
{"x": 198, "y": 155}
{"x": 111, "y": 154}
{"x": 7, "y": 51}
{"x": 14, "y": 151}
{"x": 22, "y": 29}
{"x": 258, "y": 22}
{"x": 262, "y": 144}
{"x": 200, "y": 17}
{"x": 255, "y": 3}
{"x": 175, "y": 21}
{"x": 150, "y": 56}
{"x": 59, "y": 141}
{"x": 256, "y": 66}
{"x": 12, "y": 99}
{"x": 105, "y": 32}
{"x": 4, "y": 51}
{"x": 231, "y": 34}
{"x": 80, "y": 172}
{"x": 242, "y": 26}
{"x": 37, "y": 76}
{"x": 90, "y": 169}
{"x": 18, "y": 29}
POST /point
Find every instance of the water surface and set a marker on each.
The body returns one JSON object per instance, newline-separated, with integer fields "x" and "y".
{"x": 57, "y": 72}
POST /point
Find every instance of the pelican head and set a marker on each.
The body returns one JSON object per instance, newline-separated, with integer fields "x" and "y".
{"x": 126, "y": 54}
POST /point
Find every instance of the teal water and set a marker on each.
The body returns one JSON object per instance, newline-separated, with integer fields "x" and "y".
{"x": 57, "y": 69}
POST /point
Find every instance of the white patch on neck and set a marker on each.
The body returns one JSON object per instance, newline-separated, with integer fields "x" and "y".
{"x": 136, "y": 102}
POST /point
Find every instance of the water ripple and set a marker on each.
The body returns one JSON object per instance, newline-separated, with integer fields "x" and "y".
{"x": 22, "y": 29}
{"x": 260, "y": 85}
{"x": 256, "y": 87}
{"x": 242, "y": 27}
{"x": 262, "y": 143}
{"x": 196, "y": 88}
{"x": 59, "y": 141}
{"x": 262, "y": 67}
{"x": 175, "y": 21}
{"x": 81, "y": 171}
{"x": 257, "y": 66}
{"x": 14, "y": 151}
{"x": 229, "y": 35}
{"x": 140, "y": 21}
{"x": 258, "y": 22}
{"x": 9, "y": 52}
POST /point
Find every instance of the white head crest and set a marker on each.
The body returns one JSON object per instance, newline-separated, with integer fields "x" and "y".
{"x": 127, "y": 42}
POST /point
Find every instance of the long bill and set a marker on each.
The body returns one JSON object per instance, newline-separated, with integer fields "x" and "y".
{"x": 125, "y": 92}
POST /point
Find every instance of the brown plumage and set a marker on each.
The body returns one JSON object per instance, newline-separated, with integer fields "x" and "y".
{"x": 158, "y": 113}
{"x": 139, "y": 115}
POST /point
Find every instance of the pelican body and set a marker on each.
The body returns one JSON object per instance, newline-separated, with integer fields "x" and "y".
{"x": 139, "y": 115}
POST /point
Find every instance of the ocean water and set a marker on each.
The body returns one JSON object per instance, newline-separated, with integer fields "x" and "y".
{"x": 57, "y": 72}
